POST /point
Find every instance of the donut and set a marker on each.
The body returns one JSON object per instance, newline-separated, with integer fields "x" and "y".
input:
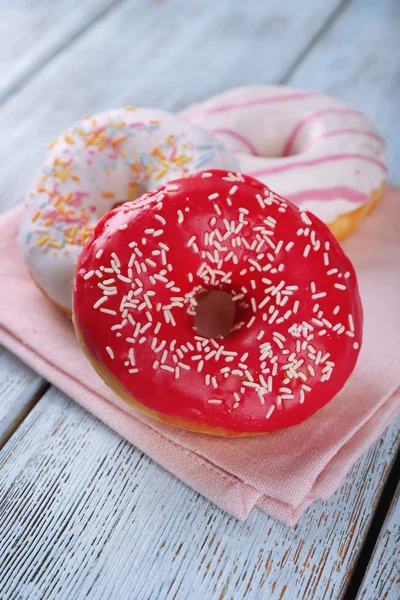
{"x": 148, "y": 268}
{"x": 103, "y": 160}
{"x": 317, "y": 152}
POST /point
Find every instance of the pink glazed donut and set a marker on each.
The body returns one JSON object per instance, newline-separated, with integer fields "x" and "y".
{"x": 319, "y": 153}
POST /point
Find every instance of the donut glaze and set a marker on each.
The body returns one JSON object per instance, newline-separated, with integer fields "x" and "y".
{"x": 99, "y": 162}
{"x": 298, "y": 315}
{"x": 318, "y": 152}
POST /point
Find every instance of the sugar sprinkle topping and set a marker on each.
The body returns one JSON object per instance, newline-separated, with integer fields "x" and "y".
{"x": 281, "y": 364}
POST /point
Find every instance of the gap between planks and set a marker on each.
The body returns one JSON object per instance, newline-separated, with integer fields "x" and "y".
{"x": 89, "y": 515}
{"x": 387, "y": 497}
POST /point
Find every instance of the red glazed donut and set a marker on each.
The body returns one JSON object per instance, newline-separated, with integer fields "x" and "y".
{"x": 297, "y": 322}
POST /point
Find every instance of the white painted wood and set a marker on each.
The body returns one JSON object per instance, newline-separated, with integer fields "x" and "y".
{"x": 32, "y": 31}
{"x": 86, "y": 515}
{"x": 358, "y": 61}
{"x": 164, "y": 54}
{"x": 19, "y": 388}
{"x": 382, "y": 579}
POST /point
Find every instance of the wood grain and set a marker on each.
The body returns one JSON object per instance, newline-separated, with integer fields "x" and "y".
{"x": 33, "y": 31}
{"x": 19, "y": 389}
{"x": 164, "y": 54}
{"x": 86, "y": 515}
{"x": 382, "y": 580}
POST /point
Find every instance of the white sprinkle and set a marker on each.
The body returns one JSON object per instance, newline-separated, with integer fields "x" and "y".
{"x": 302, "y": 396}
{"x": 184, "y": 366}
{"x": 355, "y": 345}
{"x": 270, "y": 411}
{"x": 339, "y": 286}
{"x": 123, "y": 226}
{"x": 318, "y": 295}
{"x": 108, "y": 311}
{"x": 214, "y": 401}
{"x": 110, "y": 352}
{"x": 89, "y": 274}
{"x": 305, "y": 219}
{"x": 260, "y": 201}
{"x": 167, "y": 368}
{"x": 180, "y": 217}
{"x": 205, "y": 175}
{"x": 123, "y": 278}
{"x": 99, "y": 301}
{"x": 213, "y": 196}
{"x": 251, "y": 321}
{"x": 296, "y": 306}
{"x": 306, "y": 250}
{"x": 332, "y": 271}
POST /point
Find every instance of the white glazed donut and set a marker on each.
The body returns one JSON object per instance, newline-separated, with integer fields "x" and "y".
{"x": 314, "y": 150}
{"x": 100, "y": 162}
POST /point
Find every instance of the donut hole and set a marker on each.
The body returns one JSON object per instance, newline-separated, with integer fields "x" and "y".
{"x": 214, "y": 314}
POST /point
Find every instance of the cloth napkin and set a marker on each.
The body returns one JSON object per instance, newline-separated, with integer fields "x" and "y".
{"x": 281, "y": 473}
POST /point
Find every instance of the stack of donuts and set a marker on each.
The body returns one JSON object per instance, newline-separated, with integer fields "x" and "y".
{"x": 200, "y": 255}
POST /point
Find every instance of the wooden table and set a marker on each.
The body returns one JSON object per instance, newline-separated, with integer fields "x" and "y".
{"x": 84, "y": 514}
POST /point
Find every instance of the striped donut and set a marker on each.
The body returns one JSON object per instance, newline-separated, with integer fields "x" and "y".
{"x": 321, "y": 154}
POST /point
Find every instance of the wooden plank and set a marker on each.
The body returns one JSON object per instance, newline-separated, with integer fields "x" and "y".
{"x": 85, "y": 514}
{"x": 368, "y": 76}
{"x": 32, "y": 33}
{"x": 382, "y": 579}
{"x": 166, "y": 54}
{"x": 20, "y": 388}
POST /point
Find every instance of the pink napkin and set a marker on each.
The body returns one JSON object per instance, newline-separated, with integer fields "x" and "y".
{"x": 282, "y": 473}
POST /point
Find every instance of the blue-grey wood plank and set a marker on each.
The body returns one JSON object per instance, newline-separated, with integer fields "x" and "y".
{"x": 32, "y": 31}
{"x": 165, "y": 54}
{"x": 382, "y": 579}
{"x": 20, "y": 387}
{"x": 86, "y": 515}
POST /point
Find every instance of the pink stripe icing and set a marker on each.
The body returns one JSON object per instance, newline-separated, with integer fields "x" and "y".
{"x": 317, "y": 161}
{"x": 327, "y": 194}
{"x": 239, "y": 137}
{"x": 352, "y": 131}
{"x": 306, "y": 120}
{"x": 256, "y": 102}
